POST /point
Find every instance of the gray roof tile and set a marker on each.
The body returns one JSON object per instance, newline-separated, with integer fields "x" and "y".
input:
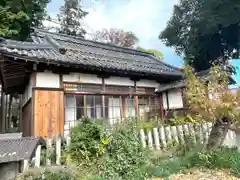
{"x": 18, "y": 149}
{"x": 46, "y": 47}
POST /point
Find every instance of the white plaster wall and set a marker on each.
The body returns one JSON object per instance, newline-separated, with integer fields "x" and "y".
{"x": 113, "y": 80}
{"x": 175, "y": 99}
{"x": 47, "y": 79}
{"x": 82, "y": 78}
{"x": 119, "y": 81}
{"x": 147, "y": 83}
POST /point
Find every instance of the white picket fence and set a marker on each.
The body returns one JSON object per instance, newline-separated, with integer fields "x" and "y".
{"x": 156, "y": 139}
{"x": 162, "y": 137}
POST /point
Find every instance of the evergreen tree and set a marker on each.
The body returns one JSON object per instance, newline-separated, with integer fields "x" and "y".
{"x": 71, "y": 14}
{"x": 18, "y": 17}
{"x": 204, "y": 30}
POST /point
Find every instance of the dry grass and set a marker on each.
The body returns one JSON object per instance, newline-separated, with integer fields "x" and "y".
{"x": 203, "y": 174}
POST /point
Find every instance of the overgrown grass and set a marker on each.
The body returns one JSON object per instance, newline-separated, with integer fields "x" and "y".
{"x": 98, "y": 154}
{"x": 224, "y": 158}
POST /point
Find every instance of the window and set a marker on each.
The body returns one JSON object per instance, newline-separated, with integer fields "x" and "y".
{"x": 148, "y": 107}
{"x": 116, "y": 104}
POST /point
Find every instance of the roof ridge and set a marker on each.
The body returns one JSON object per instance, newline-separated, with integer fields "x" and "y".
{"x": 97, "y": 42}
{"x": 151, "y": 55}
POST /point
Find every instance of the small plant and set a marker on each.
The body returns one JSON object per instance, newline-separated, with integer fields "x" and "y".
{"x": 180, "y": 120}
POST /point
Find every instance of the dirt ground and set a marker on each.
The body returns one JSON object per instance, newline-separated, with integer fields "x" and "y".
{"x": 196, "y": 174}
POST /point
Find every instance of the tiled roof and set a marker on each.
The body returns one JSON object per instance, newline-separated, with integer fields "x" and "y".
{"x": 18, "y": 149}
{"x": 203, "y": 75}
{"x": 74, "y": 51}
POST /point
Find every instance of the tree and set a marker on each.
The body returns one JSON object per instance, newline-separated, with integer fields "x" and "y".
{"x": 70, "y": 17}
{"x": 18, "y": 17}
{"x": 219, "y": 106}
{"x": 153, "y": 51}
{"x": 203, "y": 30}
{"x": 10, "y": 23}
{"x": 117, "y": 37}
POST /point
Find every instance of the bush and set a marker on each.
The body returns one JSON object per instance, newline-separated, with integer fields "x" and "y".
{"x": 125, "y": 155}
{"x": 224, "y": 158}
{"x": 88, "y": 142}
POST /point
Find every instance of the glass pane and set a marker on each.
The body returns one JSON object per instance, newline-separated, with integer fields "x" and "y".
{"x": 79, "y": 107}
{"x": 130, "y": 109}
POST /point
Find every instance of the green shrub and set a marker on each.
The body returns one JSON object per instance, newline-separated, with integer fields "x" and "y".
{"x": 125, "y": 154}
{"x": 88, "y": 142}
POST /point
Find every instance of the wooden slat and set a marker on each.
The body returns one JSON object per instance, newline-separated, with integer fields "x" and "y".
{"x": 48, "y": 113}
{"x": 61, "y": 112}
{"x": 26, "y": 120}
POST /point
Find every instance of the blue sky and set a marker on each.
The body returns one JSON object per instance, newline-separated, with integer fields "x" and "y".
{"x": 236, "y": 63}
{"x": 146, "y": 18}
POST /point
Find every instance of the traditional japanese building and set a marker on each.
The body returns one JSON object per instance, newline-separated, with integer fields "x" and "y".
{"x": 64, "y": 78}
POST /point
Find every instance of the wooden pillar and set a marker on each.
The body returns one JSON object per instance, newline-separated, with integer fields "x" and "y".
{"x": 85, "y": 105}
{"x": 167, "y": 99}
{"x": 103, "y": 98}
{"x": 161, "y": 105}
{"x": 6, "y": 113}
{"x": 2, "y": 111}
{"x": 136, "y": 99}
{"x": 136, "y": 105}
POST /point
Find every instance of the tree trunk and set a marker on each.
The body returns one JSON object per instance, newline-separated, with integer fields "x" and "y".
{"x": 218, "y": 133}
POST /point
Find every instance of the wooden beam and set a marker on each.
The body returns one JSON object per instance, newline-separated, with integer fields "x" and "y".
{"x": 85, "y": 105}
{"x": 167, "y": 99}
{"x": 3, "y": 111}
{"x": 136, "y": 100}
{"x": 103, "y": 98}
{"x": 161, "y": 105}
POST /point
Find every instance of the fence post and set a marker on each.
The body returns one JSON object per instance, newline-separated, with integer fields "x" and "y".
{"x": 156, "y": 138}
{"x": 68, "y": 140}
{"x": 186, "y": 130}
{"x": 38, "y": 156}
{"x": 205, "y": 133}
{"x": 49, "y": 149}
{"x": 58, "y": 151}
{"x": 168, "y": 133}
{"x": 143, "y": 138}
{"x": 199, "y": 133}
{"x": 180, "y": 132}
{"x": 174, "y": 133}
{"x": 162, "y": 136}
{"x": 209, "y": 125}
{"x": 192, "y": 133}
{"x": 150, "y": 141}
